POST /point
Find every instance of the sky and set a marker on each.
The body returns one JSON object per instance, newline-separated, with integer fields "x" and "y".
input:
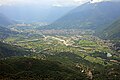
{"x": 58, "y": 3}
{"x": 43, "y": 2}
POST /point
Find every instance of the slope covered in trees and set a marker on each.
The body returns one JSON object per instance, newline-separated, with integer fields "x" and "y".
{"x": 7, "y": 50}
{"x": 112, "y": 31}
{"x": 34, "y": 69}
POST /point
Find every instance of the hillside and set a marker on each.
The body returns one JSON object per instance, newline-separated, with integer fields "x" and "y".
{"x": 7, "y": 50}
{"x": 112, "y": 31}
{"x": 88, "y": 15}
{"x": 5, "y": 21}
{"x": 34, "y": 69}
{"x": 5, "y": 32}
{"x": 23, "y": 68}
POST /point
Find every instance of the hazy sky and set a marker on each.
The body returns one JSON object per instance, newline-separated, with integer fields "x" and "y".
{"x": 43, "y": 2}
{"x": 59, "y": 3}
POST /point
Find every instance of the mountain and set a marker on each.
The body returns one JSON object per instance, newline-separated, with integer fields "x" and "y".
{"x": 57, "y": 12}
{"x": 5, "y": 21}
{"x": 24, "y": 68}
{"x": 7, "y": 50}
{"x": 112, "y": 31}
{"x": 5, "y": 32}
{"x": 34, "y": 13}
{"x": 34, "y": 69}
{"x": 88, "y": 15}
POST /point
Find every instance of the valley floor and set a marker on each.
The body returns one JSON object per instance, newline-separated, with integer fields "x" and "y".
{"x": 59, "y": 57}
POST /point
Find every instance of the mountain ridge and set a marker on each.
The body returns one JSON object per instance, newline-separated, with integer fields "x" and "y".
{"x": 5, "y": 21}
{"x": 112, "y": 31}
{"x": 88, "y": 16}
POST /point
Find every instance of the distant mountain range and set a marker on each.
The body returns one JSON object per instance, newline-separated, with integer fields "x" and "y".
{"x": 112, "y": 31}
{"x": 5, "y": 21}
{"x": 88, "y": 16}
{"x": 34, "y": 13}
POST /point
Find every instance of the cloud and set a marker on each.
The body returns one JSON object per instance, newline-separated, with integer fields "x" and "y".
{"x": 69, "y": 2}
{"x": 43, "y": 2}
{"x": 81, "y": 1}
{"x": 58, "y": 3}
{"x": 25, "y": 2}
{"x": 12, "y": 2}
{"x": 96, "y": 1}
